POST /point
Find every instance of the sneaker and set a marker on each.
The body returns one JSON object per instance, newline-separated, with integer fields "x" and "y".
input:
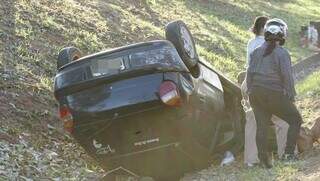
{"x": 250, "y": 165}
{"x": 289, "y": 159}
{"x": 228, "y": 158}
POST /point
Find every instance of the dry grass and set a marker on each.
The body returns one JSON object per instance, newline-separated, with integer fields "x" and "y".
{"x": 33, "y": 31}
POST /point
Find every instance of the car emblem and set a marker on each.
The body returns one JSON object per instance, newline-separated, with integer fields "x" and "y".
{"x": 102, "y": 149}
{"x": 145, "y": 142}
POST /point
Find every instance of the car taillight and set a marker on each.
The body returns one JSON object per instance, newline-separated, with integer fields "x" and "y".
{"x": 169, "y": 94}
{"x": 66, "y": 118}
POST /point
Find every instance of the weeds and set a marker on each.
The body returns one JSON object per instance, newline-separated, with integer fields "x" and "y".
{"x": 310, "y": 86}
{"x": 32, "y": 32}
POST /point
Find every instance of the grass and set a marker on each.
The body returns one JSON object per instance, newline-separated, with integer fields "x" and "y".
{"x": 237, "y": 171}
{"x": 308, "y": 98}
{"x": 219, "y": 27}
{"x": 278, "y": 172}
{"x": 310, "y": 86}
{"x": 32, "y": 32}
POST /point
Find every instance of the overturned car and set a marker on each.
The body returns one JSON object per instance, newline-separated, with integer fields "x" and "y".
{"x": 149, "y": 109}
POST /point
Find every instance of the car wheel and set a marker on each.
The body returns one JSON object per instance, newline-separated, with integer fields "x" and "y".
{"x": 179, "y": 35}
{"x": 67, "y": 55}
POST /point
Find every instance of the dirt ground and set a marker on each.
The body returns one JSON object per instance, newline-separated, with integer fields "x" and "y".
{"x": 308, "y": 168}
{"x": 33, "y": 145}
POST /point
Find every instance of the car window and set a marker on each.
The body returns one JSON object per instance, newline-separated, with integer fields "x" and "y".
{"x": 187, "y": 76}
{"x": 211, "y": 77}
{"x": 164, "y": 56}
{"x": 106, "y": 66}
{"x": 74, "y": 75}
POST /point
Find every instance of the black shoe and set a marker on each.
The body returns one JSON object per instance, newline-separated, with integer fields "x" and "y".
{"x": 265, "y": 161}
{"x": 266, "y": 164}
{"x": 289, "y": 159}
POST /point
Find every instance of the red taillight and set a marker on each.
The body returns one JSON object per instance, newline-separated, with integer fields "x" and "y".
{"x": 169, "y": 94}
{"x": 66, "y": 118}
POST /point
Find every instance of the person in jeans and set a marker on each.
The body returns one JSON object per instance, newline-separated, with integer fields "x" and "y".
{"x": 250, "y": 147}
{"x": 271, "y": 91}
{"x": 281, "y": 127}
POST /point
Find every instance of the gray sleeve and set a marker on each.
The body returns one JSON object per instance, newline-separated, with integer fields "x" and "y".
{"x": 286, "y": 74}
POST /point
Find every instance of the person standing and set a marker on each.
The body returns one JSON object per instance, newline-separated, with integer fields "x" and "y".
{"x": 281, "y": 127}
{"x": 271, "y": 91}
{"x": 250, "y": 147}
{"x": 313, "y": 38}
{"x": 258, "y": 30}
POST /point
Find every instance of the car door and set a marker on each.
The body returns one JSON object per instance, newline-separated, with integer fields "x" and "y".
{"x": 210, "y": 104}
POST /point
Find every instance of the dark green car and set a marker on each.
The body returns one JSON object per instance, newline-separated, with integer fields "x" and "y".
{"x": 149, "y": 109}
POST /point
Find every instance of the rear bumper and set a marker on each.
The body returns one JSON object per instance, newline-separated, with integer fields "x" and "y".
{"x": 165, "y": 162}
{"x": 156, "y": 143}
{"x": 126, "y": 127}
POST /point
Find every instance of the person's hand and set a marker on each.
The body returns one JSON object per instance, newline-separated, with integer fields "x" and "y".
{"x": 292, "y": 98}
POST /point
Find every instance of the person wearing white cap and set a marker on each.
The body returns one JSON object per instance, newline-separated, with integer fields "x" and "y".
{"x": 271, "y": 91}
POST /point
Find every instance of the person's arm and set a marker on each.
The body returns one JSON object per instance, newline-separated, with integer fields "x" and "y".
{"x": 248, "y": 79}
{"x": 287, "y": 75}
{"x": 248, "y": 54}
{"x": 250, "y": 48}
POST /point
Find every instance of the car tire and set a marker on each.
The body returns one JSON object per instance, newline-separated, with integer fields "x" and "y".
{"x": 67, "y": 55}
{"x": 179, "y": 35}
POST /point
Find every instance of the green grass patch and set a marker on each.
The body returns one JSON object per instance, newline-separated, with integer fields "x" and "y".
{"x": 32, "y": 33}
{"x": 310, "y": 86}
{"x": 221, "y": 28}
{"x": 308, "y": 98}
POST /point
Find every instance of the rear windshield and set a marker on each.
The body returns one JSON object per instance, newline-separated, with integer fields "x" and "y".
{"x": 105, "y": 66}
{"x": 165, "y": 56}
{"x": 162, "y": 56}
